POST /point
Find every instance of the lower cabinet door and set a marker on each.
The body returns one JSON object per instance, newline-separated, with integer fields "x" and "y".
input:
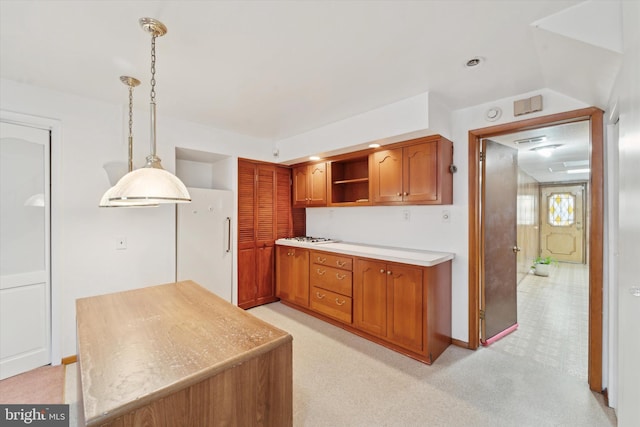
{"x": 265, "y": 288}
{"x": 370, "y": 296}
{"x": 331, "y": 304}
{"x": 405, "y": 293}
{"x": 292, "y": 275}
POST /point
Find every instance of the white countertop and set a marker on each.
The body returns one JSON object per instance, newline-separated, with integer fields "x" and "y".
{"x": 386, "y": 253}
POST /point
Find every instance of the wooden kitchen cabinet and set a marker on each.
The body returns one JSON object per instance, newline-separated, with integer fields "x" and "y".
{"x": 370, "y": 295}
{"x": 331, "y": 285}
{"x": 389, "y": 302}
{"x": 264, "y": 215}
{"x": 292, "y": 275}
{"x": 415, "y": 173}
{"x": 310, "y": 185}
{"x": 404, "y": 307}
{"x": 349, "y": 179}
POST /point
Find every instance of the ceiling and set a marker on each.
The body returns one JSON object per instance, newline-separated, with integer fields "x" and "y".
{"x": 571, "y": 152}
{"x": 273, "y": 69}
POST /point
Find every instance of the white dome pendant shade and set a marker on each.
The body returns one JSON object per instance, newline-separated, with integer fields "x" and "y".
{"x": 151, "y": 184}
{"x": 105, "y": 201}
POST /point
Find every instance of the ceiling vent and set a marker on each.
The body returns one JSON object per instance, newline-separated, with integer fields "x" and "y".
{"x": 526, "y": 106}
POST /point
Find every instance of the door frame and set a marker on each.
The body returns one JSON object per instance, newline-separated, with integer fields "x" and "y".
{"x": 55, "y": 158}
{"x": 595, "y": 205}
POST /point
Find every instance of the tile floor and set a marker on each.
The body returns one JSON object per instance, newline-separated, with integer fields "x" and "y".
{"x": 553, "y": 319}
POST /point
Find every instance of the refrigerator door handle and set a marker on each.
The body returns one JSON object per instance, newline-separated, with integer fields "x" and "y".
{"x": 228, "y": 234}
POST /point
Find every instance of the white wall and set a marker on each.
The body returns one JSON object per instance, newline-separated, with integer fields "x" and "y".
{"x": 411, "y": 118}
{"x": 85, "y": 261}
{"x": 626, "y": 95}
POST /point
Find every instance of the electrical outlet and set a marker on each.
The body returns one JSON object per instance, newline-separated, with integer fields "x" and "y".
{"x": 406, "y": 215}
{"x": 121, "y": 243}
{"x": 446, "y": 216}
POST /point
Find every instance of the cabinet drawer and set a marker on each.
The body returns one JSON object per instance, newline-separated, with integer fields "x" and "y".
{"x": 331, "y": 260}
{"x": 331, "y": 279}
{"x": 331, "y": 304}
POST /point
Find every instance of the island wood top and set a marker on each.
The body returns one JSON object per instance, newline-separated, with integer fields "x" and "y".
{"x": 140, "y": 345}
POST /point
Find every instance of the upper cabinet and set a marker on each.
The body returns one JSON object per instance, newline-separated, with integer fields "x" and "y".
{"x": 310, "y": 185}
{"x": 349, "y": 180}
{"x": 413, "y": 174}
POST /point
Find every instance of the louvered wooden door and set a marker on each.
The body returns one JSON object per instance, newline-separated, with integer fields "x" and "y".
{"x": 265, "y": 233}
{"x": 246, "y": 233}
{"x": 264, "y": 215}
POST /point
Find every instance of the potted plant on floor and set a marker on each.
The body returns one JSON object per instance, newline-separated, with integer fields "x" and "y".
{"x": 541, "y": 265}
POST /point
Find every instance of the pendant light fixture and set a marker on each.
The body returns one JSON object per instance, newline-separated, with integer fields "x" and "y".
{"x": 151, "y": 183}
{"x": 105, "y": 202}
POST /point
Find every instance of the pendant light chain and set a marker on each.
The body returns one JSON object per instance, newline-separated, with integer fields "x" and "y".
{"x": 153, "y": 68}
{"x": 152, "y": 159}
{"x": 130, "y": 127}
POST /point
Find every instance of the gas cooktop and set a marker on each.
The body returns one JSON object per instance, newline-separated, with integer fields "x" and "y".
{"x": 310, "y": 239}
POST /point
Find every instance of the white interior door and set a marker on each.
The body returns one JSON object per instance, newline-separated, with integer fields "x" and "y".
{"x": 25, "y": 284}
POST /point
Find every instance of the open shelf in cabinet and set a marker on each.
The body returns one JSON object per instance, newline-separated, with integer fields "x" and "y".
{"x": 350, "y": 181}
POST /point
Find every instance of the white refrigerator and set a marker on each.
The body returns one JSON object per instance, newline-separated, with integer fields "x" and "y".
{"x": 203, "y": 240}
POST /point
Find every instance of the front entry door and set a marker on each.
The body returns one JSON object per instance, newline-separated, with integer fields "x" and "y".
{"x": 499, "y": 235}
{"x": 562, "y": 222}
{"x": 25, "y": 296}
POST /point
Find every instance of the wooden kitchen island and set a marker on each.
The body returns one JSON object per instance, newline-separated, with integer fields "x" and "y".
{"x": 178, "y": 355}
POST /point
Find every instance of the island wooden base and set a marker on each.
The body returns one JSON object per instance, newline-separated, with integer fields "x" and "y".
{"x": 251, "y": 394}
{"x": 177, "y": 355}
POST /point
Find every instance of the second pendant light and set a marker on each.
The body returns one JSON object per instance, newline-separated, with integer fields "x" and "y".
{"x": 150, "y": 183}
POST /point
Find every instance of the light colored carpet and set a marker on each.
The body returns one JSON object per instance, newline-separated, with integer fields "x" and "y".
{"x": 343, "y": 380}
{"x": 38, "y": 386}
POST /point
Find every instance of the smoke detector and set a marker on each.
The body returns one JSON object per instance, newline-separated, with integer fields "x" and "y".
{"x": 493, "y": 114}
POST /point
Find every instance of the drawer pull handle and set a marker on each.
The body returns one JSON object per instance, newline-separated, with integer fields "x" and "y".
{"x": 340, "y": 303}
{"x": 340, "y": 276}
{"x": 322, "y": 260}
{"x": 382, "y": 270}
{"x": 341, "y": 263}
{"x": 289, "y": 253}
{"x": 389, "y": 272}
{"x": 319, "y": 296}
{"x": 321, "y": 272}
